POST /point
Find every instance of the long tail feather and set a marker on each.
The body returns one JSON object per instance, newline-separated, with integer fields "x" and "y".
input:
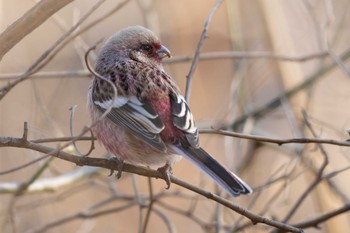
{"x": 223, "y": 177}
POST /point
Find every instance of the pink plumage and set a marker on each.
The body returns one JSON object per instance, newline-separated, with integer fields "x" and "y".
{"x": 150, "y": 123}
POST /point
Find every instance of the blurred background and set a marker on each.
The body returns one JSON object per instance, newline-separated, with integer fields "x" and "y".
{"x": 262, "y": 65}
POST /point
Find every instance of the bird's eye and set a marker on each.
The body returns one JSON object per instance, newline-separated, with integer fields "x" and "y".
{"x": 147, "y": 48}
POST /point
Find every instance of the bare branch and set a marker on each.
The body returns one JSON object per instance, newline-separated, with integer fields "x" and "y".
{"x": 247, "y": 55}
{"x": 22, "y": 166}
{"x": 92, "y": 144}
{"x": 58, "y": 45}
{"x": 318, "y": 178}
{"x": 112, "y": 165}
{"x": 82, "y": 215}
{"x": 275, "y": 102}
{"x": 276, "y": 140}
{"x": 198, "y": 49}
{"x": 320, "y": 219}
{"x": 150, "y": 206}
{"x": 28, "y": 22}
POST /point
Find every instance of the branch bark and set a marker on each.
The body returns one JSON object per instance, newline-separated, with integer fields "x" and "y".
{"x": 33, "y": 18}
{"x": 111, "y": 164}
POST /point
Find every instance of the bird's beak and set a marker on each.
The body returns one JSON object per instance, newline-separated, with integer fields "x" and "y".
{"x": 163, "y": 52}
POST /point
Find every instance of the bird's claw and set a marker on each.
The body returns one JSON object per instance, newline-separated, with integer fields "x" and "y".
{"x": 166, "y": 172}
{"x": 120, "y": 164}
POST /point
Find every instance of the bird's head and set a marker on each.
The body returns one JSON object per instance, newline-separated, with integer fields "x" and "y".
{"x": 138, "y": 43}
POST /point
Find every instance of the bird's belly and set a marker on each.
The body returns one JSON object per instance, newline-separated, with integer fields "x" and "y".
{"x": 120, "y": 143}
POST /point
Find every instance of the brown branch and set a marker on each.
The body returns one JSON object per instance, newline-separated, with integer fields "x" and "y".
{"x": 22, "y": 166}
{"x": 195, "y": 60}
{"x": 247, "y": 55}
{"x": 180, "y": 211}
{"x": 82, "y": 215}
{"x": 48, "y": 74}
{"x": 60, "y": 139}
{"x": 276, "y": 140}
{"x": 49, "y": 54}
{"x": 33, "y": 18}
{"x": 92, "y": 144}
{"x": 150, "y": 206}
{"x": 112, "y": 165}
{"x": 276, "y": 102}
{"x": 318, "y": 178}
{"x": 316, "y": 221}
{"x": 166, "y": 220}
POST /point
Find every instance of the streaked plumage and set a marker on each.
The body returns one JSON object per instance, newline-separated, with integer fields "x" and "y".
{"x": 150, "y": 122}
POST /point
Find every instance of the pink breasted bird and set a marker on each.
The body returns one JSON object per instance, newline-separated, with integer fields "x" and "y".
{"x": 150, "y": 122}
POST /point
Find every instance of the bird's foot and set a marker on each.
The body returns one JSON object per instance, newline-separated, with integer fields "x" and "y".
{"x": 120, "y": 164}
{"x": 166, "y": 172}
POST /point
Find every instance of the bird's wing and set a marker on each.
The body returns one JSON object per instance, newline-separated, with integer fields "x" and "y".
{"x": 183, "y": 119}
{"x": 136, "y": 116}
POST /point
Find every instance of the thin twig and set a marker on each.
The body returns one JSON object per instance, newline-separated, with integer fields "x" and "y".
{"x": 318, "y": 178}
{"x": 276, "y": 102}
{"x": 60, "y": 139}
{"x": 24, "y": 186}
{"x": 150, "y": 206}
{"x": 32, "y": 19}
{"x": 48, "y": 75}
{"x": 166, "y": 220}
{"x": 195, "y": 60}
{"x": 25, "y": 131}
{"x": 247, "y": 55}
{"x": 179, "y": 210}
{"x": 81, "y": 215}
{"x": 276, "y": 140}
{"x": 23, "y": 166}
{"x": 320, "y": 219}
{"x": 92, "y": 144}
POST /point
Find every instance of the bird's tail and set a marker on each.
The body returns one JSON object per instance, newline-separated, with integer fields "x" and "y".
{"x": 223, "y": 177}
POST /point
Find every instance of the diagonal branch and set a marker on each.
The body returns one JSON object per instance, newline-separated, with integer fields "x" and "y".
{"x": 28, "y": 22}
{"x": 198, "y": 49}
{"x": 276, "y": 102}
{"x": 110, "y": 164}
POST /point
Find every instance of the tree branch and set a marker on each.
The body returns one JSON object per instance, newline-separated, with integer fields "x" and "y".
{"x": 112, "y": 165}
{"x": 37, "y": 15}
{"x": 198, "y": 49}
{"x": 274, "y": 103}
{"x": 276, "y": 140}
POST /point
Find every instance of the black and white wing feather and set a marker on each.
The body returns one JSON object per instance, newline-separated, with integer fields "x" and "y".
{"x": 183, "y": 119}
{"x": 136, "y": 116}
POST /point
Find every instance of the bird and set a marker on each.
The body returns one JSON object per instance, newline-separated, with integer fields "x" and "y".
{"x": 148, "y": 121}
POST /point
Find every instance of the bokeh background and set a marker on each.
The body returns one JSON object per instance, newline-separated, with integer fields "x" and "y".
{"x": 290, "y": 50}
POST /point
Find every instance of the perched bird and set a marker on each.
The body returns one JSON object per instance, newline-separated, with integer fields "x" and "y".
{"x": 149, "y": 123}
